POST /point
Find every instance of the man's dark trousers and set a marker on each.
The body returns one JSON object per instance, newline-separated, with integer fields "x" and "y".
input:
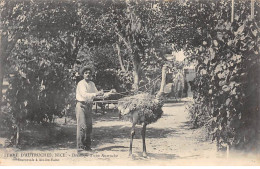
{"x": 84, "y": 124}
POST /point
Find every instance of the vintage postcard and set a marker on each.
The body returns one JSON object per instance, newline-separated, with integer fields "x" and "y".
{"x": 129, "y": 83}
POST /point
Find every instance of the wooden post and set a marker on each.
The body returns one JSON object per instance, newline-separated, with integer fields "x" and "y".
{"x": 252, "y": 8}
{"x": 232, "y": 11}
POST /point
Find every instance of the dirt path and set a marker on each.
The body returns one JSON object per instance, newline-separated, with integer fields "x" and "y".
{"x": 169, "y": 141}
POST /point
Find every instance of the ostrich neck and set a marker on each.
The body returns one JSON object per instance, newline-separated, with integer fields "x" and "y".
{"x": 163, "y": 82}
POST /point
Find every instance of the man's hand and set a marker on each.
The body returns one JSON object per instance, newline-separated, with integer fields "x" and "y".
{"x": 111, "y": 92}
{"x": 100, "y": 93}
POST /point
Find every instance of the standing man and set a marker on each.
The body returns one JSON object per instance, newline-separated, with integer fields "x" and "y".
{"x": 85, "y": 93}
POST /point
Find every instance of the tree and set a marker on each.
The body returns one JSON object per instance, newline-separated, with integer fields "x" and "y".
{"x": 49, "y": 36}
{"x": 223, "y": 52}
{"x": 135, "y": 43}
{"x": 15, "y": 24}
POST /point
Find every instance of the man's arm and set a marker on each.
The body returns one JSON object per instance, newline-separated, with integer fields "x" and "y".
{"x": 98, "y": 93}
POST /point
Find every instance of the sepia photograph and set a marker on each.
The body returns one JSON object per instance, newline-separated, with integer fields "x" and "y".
{"x": 129, "y": 83}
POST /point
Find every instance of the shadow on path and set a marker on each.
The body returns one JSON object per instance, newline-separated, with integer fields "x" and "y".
{"x": 157, "y": 156}
{"x": 55, "y": 136}
{"x": 110, "y": 148}
{"x": 103, "y": 135}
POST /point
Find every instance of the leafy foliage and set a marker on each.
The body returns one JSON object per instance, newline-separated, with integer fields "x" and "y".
{"x": 227, "y": 58}
{"x": 40, "y": 85}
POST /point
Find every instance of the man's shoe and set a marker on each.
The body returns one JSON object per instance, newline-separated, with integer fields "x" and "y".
{"x": 79, "y": 150}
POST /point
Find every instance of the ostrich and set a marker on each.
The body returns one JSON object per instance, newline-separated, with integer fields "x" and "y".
{"x": 142, "y": 109}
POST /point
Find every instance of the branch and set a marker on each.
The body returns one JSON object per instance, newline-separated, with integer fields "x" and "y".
{"x": 62, "y": 41}
{"x": 130, "y": 50}
{"x": 125, "y": 42}
{"x": 78, "y": 43}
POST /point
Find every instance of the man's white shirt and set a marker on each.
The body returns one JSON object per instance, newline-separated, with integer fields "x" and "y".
{"x": 86, "y": 91}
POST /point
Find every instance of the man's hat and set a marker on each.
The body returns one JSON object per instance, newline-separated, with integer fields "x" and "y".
{"x": 84, "y": 68}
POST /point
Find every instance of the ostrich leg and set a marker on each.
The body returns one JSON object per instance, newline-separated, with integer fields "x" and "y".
{"x": 143, "y": 137}
{"x": 132, "y": 137}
